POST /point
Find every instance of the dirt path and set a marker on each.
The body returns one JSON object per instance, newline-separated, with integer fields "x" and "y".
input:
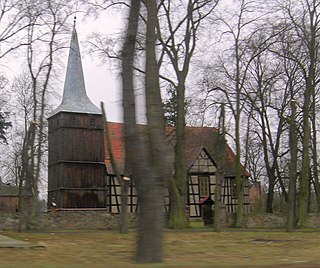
{"x": 7, "y": 242}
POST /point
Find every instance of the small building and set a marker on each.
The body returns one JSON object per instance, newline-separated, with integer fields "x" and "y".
{"x": 9, "y": 197}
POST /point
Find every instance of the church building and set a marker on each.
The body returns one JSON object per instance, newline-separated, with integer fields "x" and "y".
{"x": 80, "y": 173}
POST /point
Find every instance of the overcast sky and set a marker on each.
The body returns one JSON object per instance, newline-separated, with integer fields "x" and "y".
{"x": 103, "y": 81}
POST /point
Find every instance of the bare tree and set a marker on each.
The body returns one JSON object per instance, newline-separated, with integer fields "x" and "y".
{"x": 39, "y": 30}
{"x": 303, "y": 23}
{"x": 293, "y": 169}
{"x": 5, "y": 124}
{"x": 178, "y": 40}
{"x": 240, "y": 31}
{"x": 20, "y": 106}
{"x": 55, "y": 15}
{"x": 222, "y": 145}
{"x": 269, "y": 98}
{"x": 14, "y": 21}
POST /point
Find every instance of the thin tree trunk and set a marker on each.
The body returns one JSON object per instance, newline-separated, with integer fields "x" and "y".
{"x": 304, "y": 175}
{"x": 239, "y": 177}
{"x": 293, "y": 169}
{"x": 220, "y": 171}
{"x": 270, "y": 194}
{"x": 41, "y": 126}
{"x": 237, "y": 114}
{"x": 123, "y": 223}
{"x": 26, "y": 179}
{"x": 314, "y": 150}
{"x": 310, "y": 78}
{"x": 133, "y": 140}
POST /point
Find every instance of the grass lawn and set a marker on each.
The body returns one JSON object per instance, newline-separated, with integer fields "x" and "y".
{"x": 198, "y": 247}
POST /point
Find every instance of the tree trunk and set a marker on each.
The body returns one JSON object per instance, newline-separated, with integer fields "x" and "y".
{"x": 239, "y": 177}
{"x": 310, "y": 80}
{"x": 314, "y": 149}
{"x": 27, "y": 173}
{"x": 179, "y": 45}
{"x": 145, "y": 153}
{"x": 178, "y": 188}
{"x": 293, "y": 169}
{"x": 304, "y": 174}
{"x": 270, "y": 194}
{"x": 123, "y": 223}
{"x": 133, "y": 141}
{"x": 220, "y": 171}
{"x": 152, "y": 190}
{"x": 177, "y": 216}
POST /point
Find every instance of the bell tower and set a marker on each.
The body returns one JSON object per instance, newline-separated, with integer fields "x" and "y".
{"x": 76, "y": 167}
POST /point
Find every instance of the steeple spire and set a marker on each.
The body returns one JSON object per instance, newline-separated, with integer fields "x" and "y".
{"x": 75, "y": 98}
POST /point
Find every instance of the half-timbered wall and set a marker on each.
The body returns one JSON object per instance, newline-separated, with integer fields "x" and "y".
{"x": 114, "y": 198}
{"x": 229, "y": 195}
{"x": 202, "y": 182}
{"x": 76, "y": 161}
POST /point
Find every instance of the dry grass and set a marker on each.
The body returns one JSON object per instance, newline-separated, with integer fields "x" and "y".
{"x": 193, "y": 248}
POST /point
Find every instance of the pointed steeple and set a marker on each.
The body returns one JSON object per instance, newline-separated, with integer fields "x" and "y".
{"x": 75, "y": 99}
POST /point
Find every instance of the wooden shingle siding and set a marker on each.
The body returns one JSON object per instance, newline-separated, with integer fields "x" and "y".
{"x": 76, "y": 142}
{"x": 76, "y": 161}
{"x": 77, "y": 175}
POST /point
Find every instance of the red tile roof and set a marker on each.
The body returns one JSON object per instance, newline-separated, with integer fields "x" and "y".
{"x": 117, "y": 146}
{"x": 197, "y": 138}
